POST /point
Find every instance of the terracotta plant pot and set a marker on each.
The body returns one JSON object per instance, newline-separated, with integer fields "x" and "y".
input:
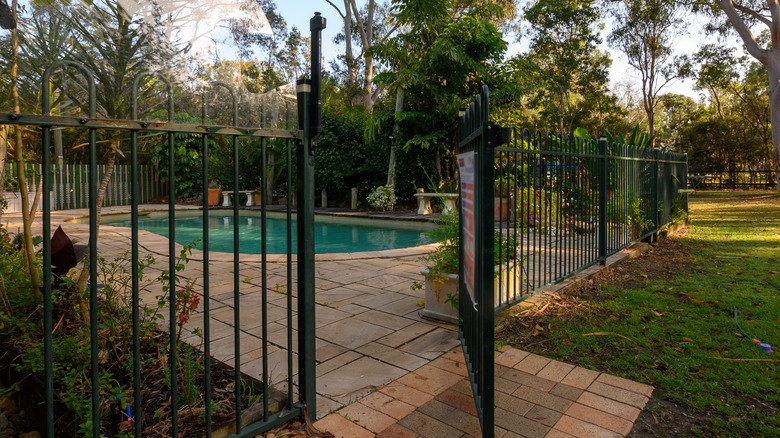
{"x": 214, "y": 195}
{"x": 258, "y": 197}
{"x": 501, "y": 209}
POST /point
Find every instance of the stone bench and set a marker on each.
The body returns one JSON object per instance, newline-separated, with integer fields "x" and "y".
{"x": 424, "y": 201}
{"x": 226, "y": 202}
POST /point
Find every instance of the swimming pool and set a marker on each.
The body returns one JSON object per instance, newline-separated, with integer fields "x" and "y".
{"x": 333, "y": 234}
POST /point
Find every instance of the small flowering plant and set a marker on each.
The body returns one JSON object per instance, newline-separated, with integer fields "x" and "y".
{"x": 186, "y": 303}
{"x": 382, "y": 198}
{"x": 187, "y": 300}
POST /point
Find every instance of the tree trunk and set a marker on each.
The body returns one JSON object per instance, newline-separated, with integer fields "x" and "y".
{"x": 773, "y": 68}
{"x": 37, "y": 198}
{"x": 399, "y": 107}
{"x": 368, "y": 91}
{"x": 3, "y": 152}
{"x": 29, "y": 248}
{"x": 560, "y": 119}
{"x": 349, "y": 56}
{"x": 83, "y": 278}
{"x": 438, "y": 166}
{"x": 650, "y": 123}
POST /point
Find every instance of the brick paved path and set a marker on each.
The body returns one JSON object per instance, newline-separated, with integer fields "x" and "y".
{"x": 535, "y": 397}
{"x": 379, "y": 364}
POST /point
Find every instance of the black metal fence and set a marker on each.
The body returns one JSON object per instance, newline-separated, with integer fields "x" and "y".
{"x": 161, "y": 342}
{"x": 562, "y": 205}
{"x": 541, "y": 208}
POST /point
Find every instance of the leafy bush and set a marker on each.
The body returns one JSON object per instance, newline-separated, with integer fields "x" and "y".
{"x": 344, "y": 159}
{"x": 544, "y": 210}
{"x": 187, "y": 159}
{"x": 382, "y": 198}
{"x": 445, "y": 258}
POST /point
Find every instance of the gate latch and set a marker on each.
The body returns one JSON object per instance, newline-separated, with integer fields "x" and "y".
{"x": 498, "y": 135}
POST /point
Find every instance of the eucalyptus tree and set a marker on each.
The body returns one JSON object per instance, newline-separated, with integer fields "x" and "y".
{"x": 677, "y": 112}
{"x": 368, "y": 26}
{"x": 744, "y": 18}
{"x": 645, "y": 30}
{"x": 268, "y": 60}
{"x": 717, "y": 70}
{"x": 571, "y": 74}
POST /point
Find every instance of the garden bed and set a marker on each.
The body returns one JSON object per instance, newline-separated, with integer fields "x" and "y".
{"x": 30, "y": 395}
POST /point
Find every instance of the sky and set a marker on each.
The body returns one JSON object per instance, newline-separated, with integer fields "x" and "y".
{"x": 298, "y": 13}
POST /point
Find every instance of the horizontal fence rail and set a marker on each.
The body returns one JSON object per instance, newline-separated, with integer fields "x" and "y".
{"x": 563, "y": 205}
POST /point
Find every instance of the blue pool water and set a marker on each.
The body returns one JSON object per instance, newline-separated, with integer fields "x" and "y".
{"x": 332, "y": 234}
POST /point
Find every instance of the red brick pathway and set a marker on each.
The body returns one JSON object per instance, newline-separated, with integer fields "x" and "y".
{"x": 535, "y": 397}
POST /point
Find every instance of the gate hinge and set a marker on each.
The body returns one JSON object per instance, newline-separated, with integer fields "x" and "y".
{"x": 498, "y": 135}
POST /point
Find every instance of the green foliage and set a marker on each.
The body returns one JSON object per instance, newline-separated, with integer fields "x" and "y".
{"x": 344, "y": 157}
{"x": 187, "y": 159}
{"x": 21, "y": 313}
{"x": 445, "y": 258}
{"x": 541, "y": 210}
{"x": 440, "y": 62}
{"x": 638, "y": 139}
{"x": 504, "y": 184}
{"x": 382, "y": 198}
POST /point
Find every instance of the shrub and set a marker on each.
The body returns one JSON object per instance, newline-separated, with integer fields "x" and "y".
{"x": 382, "y": 198}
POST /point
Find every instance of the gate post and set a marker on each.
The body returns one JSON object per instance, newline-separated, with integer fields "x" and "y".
{"x": 603, "y": 201}
{"x": 305, "y": 253}
{"x": 308, "y": 94}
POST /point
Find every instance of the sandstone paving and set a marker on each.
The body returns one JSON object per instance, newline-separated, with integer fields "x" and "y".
{"x": 383, "y": 370}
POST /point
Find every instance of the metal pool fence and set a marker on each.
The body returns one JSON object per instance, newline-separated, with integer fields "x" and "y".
{"x": 255, "y": 325}
{"x": 536, "y": 209}
{"x": 566, "y": 204}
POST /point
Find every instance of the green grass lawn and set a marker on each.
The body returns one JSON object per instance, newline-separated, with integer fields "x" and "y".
{"x": 667, "y": 319}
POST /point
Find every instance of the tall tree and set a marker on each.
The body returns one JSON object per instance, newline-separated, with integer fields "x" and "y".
{"x": 742, "y": 17}
{"x": 644, "y": 31}
{"x": 717, "y": 69}
{"x": 441, "y": 57}
{"x": 115, "y": 48}
{"x": 364, "y": 26}
{"x": 571, "y": 75}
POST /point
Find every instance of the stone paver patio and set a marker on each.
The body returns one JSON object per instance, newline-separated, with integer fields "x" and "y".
{"x": 382, "y": 369}
{"x": 535, "y": 397}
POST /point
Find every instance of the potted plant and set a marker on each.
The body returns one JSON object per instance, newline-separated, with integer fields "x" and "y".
{"x": 258, "y": 194}
{"x": 441, "y": 273}
{"x": 504, "y": 187}
{"x": 215, "y": 193}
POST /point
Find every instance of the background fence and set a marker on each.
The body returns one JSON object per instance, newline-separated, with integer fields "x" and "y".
{"x": 71, "y": 185}
{"x": 723, "y": 179}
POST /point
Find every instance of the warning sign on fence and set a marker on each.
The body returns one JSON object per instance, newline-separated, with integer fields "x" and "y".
{"x": 466, "y": 162}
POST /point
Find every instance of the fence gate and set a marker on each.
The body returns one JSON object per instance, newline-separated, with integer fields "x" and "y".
{"x": 229, "y": 313}
{"x": 478, "y": 137}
